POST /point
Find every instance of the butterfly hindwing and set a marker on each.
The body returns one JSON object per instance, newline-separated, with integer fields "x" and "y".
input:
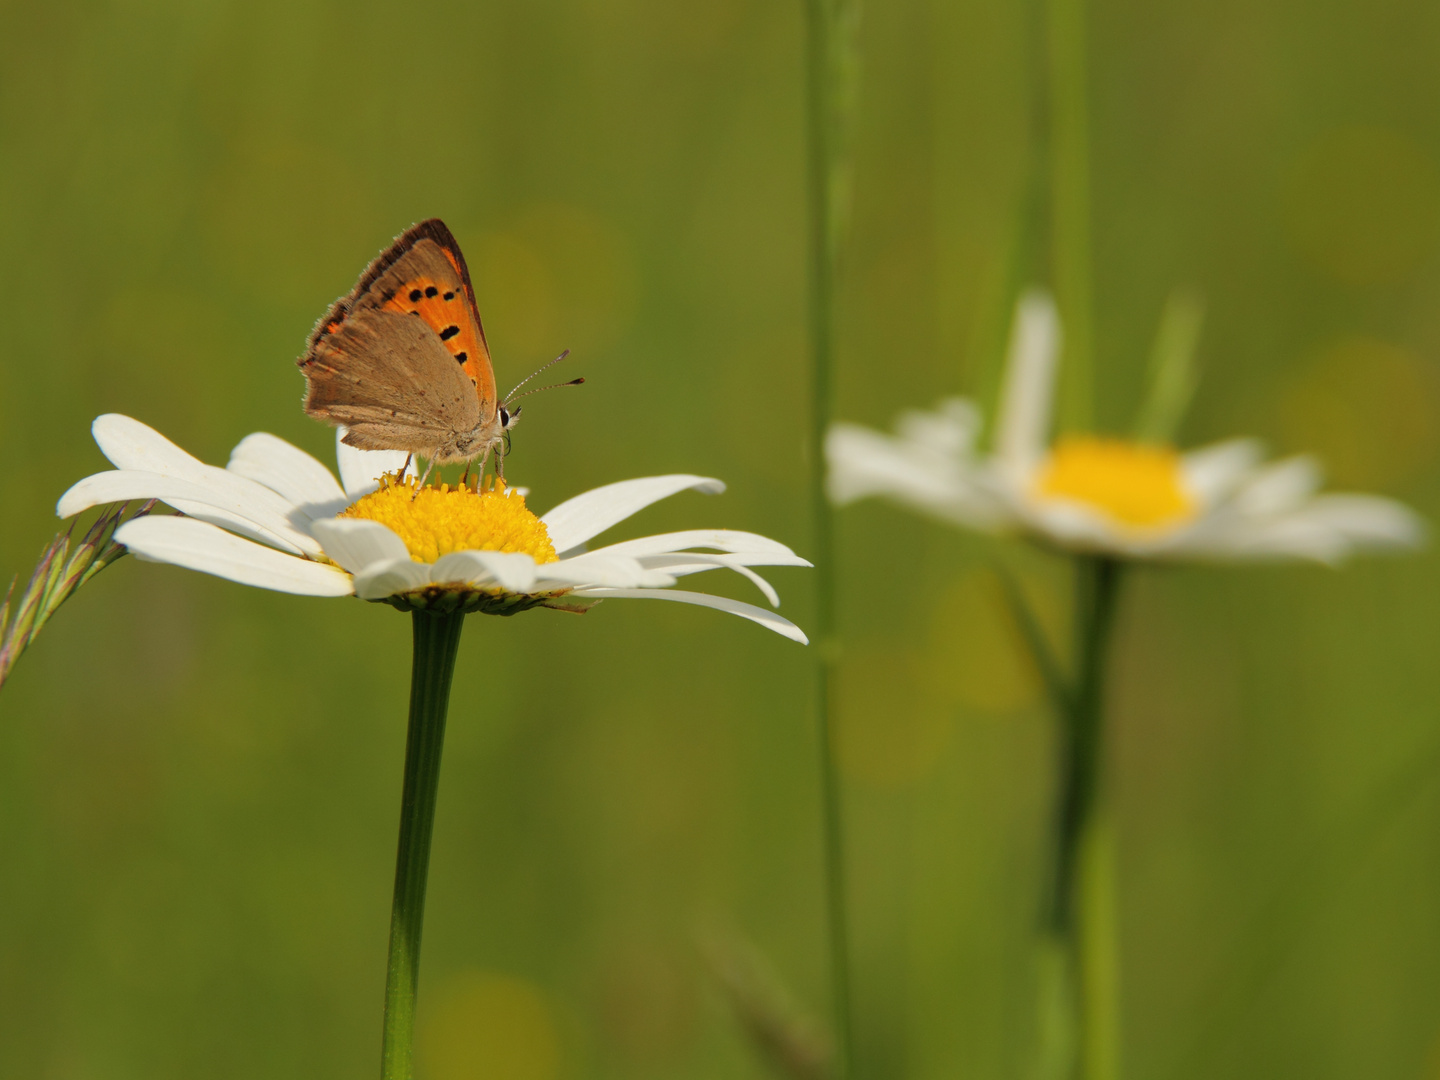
{"x": 381, "y": 369}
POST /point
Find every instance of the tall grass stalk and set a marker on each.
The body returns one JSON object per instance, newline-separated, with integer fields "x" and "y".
{"x": 1068, "y": 146}
{"x": 831, "y": 62}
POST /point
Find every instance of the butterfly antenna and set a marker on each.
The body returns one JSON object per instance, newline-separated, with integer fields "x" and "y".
{"x": 511, "y": 396}
{"x": 552, "y": 386}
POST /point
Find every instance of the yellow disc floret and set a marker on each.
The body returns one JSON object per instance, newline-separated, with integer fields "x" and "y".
{"x": 1138, "y": 486}
{"x": 436, "y": 520}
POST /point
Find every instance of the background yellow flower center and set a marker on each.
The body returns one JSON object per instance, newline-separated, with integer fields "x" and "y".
{"x": 438, "y": 520}
{"x": 1135, "y": 484}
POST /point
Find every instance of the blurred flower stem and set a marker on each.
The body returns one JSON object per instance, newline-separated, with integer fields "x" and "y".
{"x": 1083, "y": 908}
{"x": 1079, "y": 972}
{"x": 831, "y": 72}
{"x": 58, "y": 574}
{"x": 436, "y": 642}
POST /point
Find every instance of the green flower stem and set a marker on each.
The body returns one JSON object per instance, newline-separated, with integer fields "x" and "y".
{"x": 1082, "y": 911}
{"x": 437, "y": 640}
{"x": 830, "y": 67}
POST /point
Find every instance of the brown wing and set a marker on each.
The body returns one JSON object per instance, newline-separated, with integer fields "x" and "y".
{"x": 390, "y": 379}
{"x": 421, "y": 275}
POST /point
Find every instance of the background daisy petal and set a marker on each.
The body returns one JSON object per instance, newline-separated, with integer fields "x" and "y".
{"x": 1213, "y": 472}
{"x": 1023, "y": 424}
{"x": 1279, "y": 487}
{"x": 863, "y": 463}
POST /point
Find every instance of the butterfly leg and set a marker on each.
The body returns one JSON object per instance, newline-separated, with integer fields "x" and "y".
{"x": 428, "y": 466}
{"x": 465, "y": 476}
{"x": 404, "y": 468}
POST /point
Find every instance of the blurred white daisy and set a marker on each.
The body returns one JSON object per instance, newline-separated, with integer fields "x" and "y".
{"x": 276, "y": 518}
{"x": 1104, "y": 495}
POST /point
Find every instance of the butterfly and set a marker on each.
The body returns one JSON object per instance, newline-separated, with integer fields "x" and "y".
{"x": 401, "y": 361}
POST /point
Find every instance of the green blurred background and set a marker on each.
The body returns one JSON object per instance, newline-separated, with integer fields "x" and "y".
{"x": 199, "y": 782}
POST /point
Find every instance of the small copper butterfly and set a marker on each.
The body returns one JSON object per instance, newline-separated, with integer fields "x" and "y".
{"x": 402, "y": 360}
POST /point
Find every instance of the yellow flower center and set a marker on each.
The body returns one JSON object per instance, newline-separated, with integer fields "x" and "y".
{"x": 434, "y": 521}
{"x": 1136, "y": 485}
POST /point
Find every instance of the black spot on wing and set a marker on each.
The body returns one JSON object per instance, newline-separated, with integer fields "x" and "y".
{"x": 462, "y": 357}
{"x": 449, "y": 296}
{"x": 431, "y": 290}
{"x": 415, "y": 294}
{"x": 449, "y": 332}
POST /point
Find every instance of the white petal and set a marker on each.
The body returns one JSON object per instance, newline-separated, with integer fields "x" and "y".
{"x": 197, "y": 545}
{"x": 767, "y": 619}
{"x": 358, "y": 544}
{"x": 238, "y": 507}
{"x": 119, "y": 485}
{"x": 360, "y": 470}
{"x": 577, "y": 520}
{"x": 1279, "y": 487}
{"x": 289, "y": 471}
{"x": 1076, "y": 525}
{"x": 733, "y": 540}
{"x": 599, "y": 568}
{"x": 129, "y": 444}
{"x": 864, "y": 463}
{"x": 513, "y": 571}
{"x": 383, "y": 579}
{"x": 1289, "y": 536}
{"x": 236, "y": 524}
{"x": 949, "y": 430}
{"x": 1369, "y": 521}
{"x": 1023, "y": 425}
{"x": 1213, "y": 472}
{"x": 681, "y": 563}
{"x": 1329, "y": 528}
{"x": 133, "y": 446}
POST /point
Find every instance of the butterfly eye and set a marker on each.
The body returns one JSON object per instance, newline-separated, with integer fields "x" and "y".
{"x": 504, "y": 417}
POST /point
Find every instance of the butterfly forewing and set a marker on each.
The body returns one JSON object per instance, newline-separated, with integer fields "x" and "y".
{"x": 405, "y": 351}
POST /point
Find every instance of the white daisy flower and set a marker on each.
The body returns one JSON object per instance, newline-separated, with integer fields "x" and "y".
{"x": 276, "y": 518}
{"x": 1104, "y": 495}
